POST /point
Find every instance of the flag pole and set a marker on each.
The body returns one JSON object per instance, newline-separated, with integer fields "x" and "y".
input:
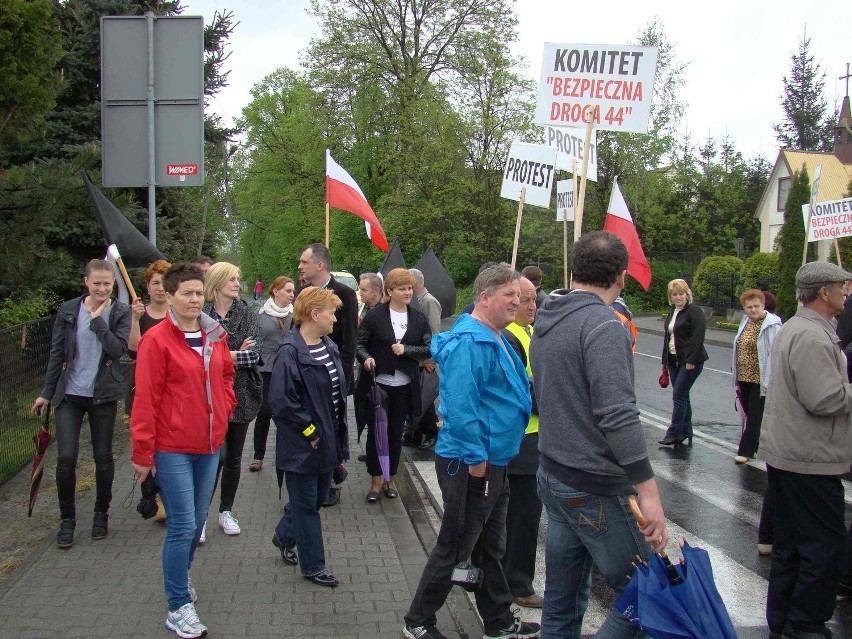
{"x": 581, "y": 199}
{"x": 112, "y": 250}
{"x": 518, "y": 226}
{"x": 326, "y": 225}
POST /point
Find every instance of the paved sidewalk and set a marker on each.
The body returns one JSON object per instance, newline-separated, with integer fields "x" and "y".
{"x": 114, "y": 587}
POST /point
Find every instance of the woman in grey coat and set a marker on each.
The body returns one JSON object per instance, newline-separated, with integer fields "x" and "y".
{"x": 274, "y": 319}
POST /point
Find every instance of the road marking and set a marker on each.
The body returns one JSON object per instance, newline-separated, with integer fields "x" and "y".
{"x": 706, "y": 368}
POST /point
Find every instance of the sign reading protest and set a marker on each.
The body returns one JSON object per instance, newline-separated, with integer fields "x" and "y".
{"x": 617, "y": 81}
{"x": 569, "y": 147}
{"x": 565, "y": 200}
{"x": 529, "y": 166}
{"x": 829, "y": 220}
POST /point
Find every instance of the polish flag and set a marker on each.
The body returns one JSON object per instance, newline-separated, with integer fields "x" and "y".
{"x": 619, "y": 222}
{"x": 342, "y": 192}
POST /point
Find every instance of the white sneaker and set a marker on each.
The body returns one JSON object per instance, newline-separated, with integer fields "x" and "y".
{"x": 229, "y": 525}
{"x": 184, "y": 622}
{"x": 193, "y": 595}
{"x": 740, "y": 459}
{"x": 203, "y": 537}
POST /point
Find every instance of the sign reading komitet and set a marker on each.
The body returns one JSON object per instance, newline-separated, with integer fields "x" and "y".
{"x": 616, "y": 80}
{"x": 565, "y": 201}
{"x": 829, "y": 220}
{"x": 529, "y": 166}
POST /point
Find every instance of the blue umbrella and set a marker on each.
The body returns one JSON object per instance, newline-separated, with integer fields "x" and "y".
{"x": 379, "y": 398}
{"x": 675, "y": 601}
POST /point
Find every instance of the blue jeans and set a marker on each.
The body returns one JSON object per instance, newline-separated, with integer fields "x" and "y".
{"x": 186, "y": 487}
{"x": 682, "y": 381}
{"x": 301, "y": 525}
{"x": 581, "y": 529}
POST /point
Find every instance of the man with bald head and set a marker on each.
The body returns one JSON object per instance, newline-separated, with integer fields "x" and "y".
{"x": 524, "y": 511}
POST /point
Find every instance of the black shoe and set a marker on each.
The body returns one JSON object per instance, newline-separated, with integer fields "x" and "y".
{"x": 668, "y": 440}
{"x": 794, "y": 633}
{"x": 362, "y": 458}
{"x": 408, "y": 438}
{"x": 100, "y": 528}
{"x": 65, "y": 536}
{"x": 325, "y": 578}
{"x": 427, "y": 443}
{"x": 422, "y": 632}
{"x": 288, "y": 555}
{"x": 518, "y": 630}
{"x": 844, "y": 592}
{"x": 333, "y": 497}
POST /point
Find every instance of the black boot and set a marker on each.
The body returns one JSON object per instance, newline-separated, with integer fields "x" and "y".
{"x": 333, "y": 497}
{"x": 99, "y": 526}
{"x": 65, "y": 536}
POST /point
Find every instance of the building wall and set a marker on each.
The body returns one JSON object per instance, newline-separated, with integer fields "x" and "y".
{"x": 771, "y": 220}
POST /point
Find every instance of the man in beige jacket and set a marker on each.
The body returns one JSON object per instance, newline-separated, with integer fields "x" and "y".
{"x": 806, "y": 441}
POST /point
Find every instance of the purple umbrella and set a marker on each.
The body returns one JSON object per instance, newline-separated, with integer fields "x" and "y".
{"x": 380, "y": 428}
{"x": 743, "y": 416}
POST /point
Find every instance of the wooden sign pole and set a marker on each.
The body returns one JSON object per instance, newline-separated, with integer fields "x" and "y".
{"x": 518, "y": 226}
{"x": 581, "y": 199}
{"x": 565, "y": 223}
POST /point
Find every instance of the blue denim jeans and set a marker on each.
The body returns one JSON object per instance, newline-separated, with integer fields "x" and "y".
{"x": 581, "y": 529}
{"x": 186, "y": 486}
{"x": 682, "y": 381}
{"x": 301, "y": 525}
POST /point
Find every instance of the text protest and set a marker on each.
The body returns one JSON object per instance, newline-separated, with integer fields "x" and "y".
{"x": 569, "y": 147}
{"x": 529, "y": 166}
{"x": 612, "y": 84}
{"x": 565, "y": 200}
{"x": 830, "y": 220}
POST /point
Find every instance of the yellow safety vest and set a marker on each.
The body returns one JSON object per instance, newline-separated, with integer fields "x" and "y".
{"x": 524, "y": 339}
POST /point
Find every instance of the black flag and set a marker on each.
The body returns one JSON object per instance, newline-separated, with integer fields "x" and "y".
{"x": 393, "y": 259}
{"x": 438, "y": 282}
{"x": 135, "y": 249}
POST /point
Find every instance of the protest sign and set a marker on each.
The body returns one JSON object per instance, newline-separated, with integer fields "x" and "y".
{"x": 829, "y": 220}
{"x": 617, "y": 81}
{"x": 569, "y": 147}
{"x": 529, "y": 167}
{"x": 565, "y": 201}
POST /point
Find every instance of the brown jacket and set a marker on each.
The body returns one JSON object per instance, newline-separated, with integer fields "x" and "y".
{"x": 807, "y": 424}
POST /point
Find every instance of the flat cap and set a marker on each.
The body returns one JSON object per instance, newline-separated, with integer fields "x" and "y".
{"x": 816, "y": 274}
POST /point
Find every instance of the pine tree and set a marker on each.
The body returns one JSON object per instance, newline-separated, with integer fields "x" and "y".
{"x": 792, "y": 240}
{"x": 806, "y": 125}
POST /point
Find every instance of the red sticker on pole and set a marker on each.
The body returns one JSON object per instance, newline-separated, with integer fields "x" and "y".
{"x": 182, "y": 169}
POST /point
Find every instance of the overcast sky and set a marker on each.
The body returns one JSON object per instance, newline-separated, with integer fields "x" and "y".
{"x": 737, "y": 50}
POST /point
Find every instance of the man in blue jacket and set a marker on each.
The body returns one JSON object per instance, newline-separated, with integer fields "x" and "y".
{"x": 485, "y": 403}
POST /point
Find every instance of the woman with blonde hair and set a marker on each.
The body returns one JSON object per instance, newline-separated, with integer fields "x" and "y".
{"x": 683, "y": 356}
{"x": 274, "y": 319}
{"x": 222, "y": 287}
{"x": 307, "y": 397}
{"x": 393, "y": 339}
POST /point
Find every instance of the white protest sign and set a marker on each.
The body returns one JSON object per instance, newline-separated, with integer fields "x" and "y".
{"x": 617, "y": 80}
{"x": 565, "y": 200}
{"x": 529, "y": 166}
{"x": 830, "y": 220}
{"x": 569, "y": 147}
{"x": 815, "y": 183}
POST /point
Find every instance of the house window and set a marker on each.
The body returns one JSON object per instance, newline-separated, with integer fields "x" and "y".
{"x": 774, "y": 229}
{"x": 783, "y": 192}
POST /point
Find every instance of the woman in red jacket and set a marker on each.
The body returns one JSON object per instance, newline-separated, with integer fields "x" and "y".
{"x": 184, "y": 395}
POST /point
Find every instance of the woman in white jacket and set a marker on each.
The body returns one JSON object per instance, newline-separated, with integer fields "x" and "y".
{"x": 751, "y": 366}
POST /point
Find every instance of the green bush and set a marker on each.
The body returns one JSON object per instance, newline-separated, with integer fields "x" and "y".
{"x": 20, "y": 308}
{"x": 656, "y": 297}
{"x": 757, "y": 269}
{"x": 711, "y": 267}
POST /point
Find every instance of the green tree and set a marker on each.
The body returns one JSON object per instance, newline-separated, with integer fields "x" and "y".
{"x": 807, "y": 124}
{"x": 29, "y": 49}
{"x": 792, "y": 242}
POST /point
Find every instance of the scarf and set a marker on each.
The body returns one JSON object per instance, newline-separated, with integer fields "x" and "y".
{"x": 270, "y": 308}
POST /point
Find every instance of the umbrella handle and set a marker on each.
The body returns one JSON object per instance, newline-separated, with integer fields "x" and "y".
{"x": 637, "y": 512}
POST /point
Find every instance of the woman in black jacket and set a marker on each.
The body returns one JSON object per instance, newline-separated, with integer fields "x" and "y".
{"x": 684, "y": 356}
{"x": 307, "y": 397}
{"x": 393, "y": 339}
{"x": 84, "y": 377}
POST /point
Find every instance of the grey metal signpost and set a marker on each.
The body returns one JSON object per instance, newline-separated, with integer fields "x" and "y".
{"x": 152, "y": 103}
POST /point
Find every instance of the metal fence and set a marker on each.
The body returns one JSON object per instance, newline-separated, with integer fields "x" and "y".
{"x": 24, "y": 351}
{"x": 725, "y": 290}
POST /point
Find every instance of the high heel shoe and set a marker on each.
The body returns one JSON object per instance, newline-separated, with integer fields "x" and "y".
{"x": 684, "y": 440}
{"x": 668, "y": 440}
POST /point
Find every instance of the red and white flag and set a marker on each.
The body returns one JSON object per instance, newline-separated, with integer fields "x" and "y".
{"x": 342, "y": 192}
{"x": 619, "y": 222}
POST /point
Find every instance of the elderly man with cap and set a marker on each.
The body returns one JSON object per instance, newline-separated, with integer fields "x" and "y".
{"x": 806, "y": 441}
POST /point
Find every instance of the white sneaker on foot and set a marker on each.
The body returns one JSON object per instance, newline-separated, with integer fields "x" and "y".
{"x": 203, "y": 537}
{"x": 229, "y": 525}
{"x": 740, "y": 459}
{"x": 184, "y": 622}
{"x": 764, "y": 549}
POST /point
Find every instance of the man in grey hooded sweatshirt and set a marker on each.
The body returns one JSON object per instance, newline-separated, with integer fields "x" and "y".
{"x": 592, "y": 445}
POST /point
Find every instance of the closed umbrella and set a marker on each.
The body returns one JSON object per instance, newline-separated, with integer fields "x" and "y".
{"x": 41, "y": 439}
{"x": 379, "y": 399}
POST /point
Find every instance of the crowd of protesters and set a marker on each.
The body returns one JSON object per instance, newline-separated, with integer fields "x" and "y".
{"x": 539, "y": 414}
